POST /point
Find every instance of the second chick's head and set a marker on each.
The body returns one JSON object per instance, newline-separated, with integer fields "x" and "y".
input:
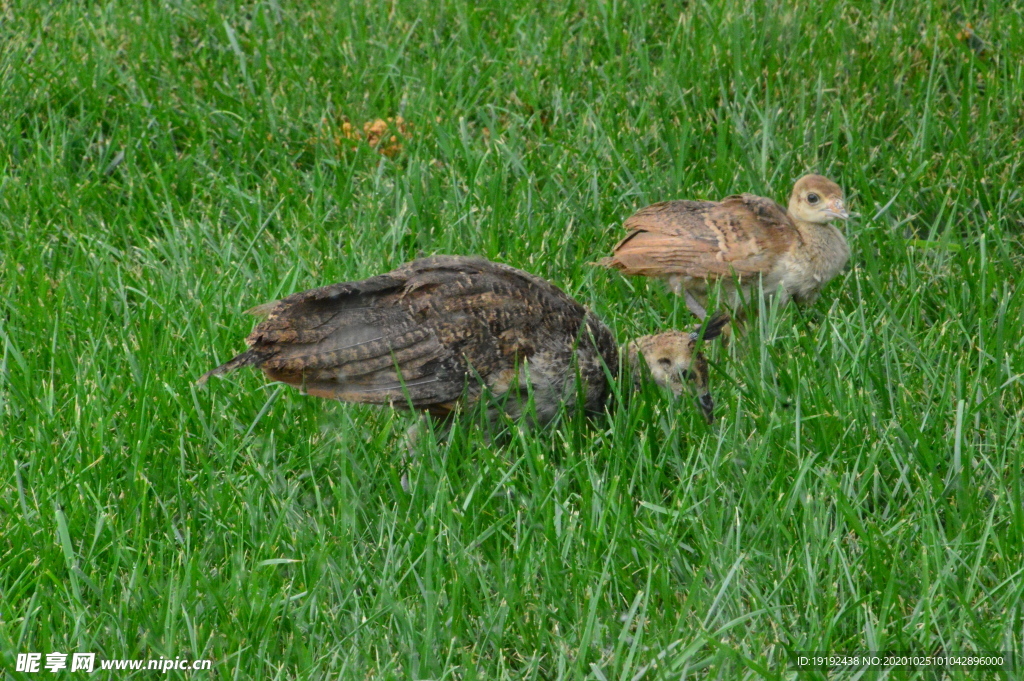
{"x": 673, "y": 361}
{"x": 817, "y": 199}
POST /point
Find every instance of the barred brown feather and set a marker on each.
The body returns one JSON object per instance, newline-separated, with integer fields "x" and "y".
{"x": 433, "y": 333}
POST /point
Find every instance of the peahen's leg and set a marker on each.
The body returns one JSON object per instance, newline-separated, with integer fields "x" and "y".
{"x": 414, "y": 438}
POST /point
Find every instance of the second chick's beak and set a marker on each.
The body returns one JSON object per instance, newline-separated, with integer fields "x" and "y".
{"x": 707, "y": 405}
{"x": 837, "y": 210}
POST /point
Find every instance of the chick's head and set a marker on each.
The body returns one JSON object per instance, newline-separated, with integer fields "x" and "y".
{"x": 817, "y": 199}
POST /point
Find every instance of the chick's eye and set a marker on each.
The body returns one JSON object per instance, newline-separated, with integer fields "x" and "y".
{"x": 665, "y": 362}
{"x": 812, "y": 199}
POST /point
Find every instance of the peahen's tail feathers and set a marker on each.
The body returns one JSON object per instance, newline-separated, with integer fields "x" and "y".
{"x": 248, "y": 358}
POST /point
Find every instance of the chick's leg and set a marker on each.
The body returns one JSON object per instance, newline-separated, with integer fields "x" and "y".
{"x": 693, "y": 306}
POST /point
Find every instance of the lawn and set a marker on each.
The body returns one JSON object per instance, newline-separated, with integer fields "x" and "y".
{"x": 165, "y": 166}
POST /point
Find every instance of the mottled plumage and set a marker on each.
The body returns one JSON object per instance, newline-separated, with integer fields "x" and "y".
{"x": 739, "y": 241}
{"x": 431, "y": 334}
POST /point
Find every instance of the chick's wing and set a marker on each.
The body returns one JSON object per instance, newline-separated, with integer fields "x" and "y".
{"x": 740, "y": 235}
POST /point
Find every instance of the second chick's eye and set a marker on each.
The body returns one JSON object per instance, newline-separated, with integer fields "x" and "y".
{"x": 812, "y": 198}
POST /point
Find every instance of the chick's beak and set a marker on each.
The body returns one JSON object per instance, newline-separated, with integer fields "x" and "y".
{"x": 837, "y": 210}
{"x": 707, "y": 405}
{"x": 699, "y": 375}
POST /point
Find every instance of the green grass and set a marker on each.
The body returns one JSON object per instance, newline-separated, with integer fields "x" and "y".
{"x": 164, "y": 166}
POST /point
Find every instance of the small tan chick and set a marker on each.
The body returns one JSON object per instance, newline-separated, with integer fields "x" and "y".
{"x": 739, "y": 241}
{"x": 441, "y": 332}
{"x": 673, "y": 360}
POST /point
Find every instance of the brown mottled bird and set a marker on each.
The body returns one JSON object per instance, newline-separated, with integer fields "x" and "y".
{"x": 739, "y": 241}
{"x": 433, "y": 333}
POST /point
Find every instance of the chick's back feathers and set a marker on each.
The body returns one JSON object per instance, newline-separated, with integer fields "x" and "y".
{"x": 740, "y": 235}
